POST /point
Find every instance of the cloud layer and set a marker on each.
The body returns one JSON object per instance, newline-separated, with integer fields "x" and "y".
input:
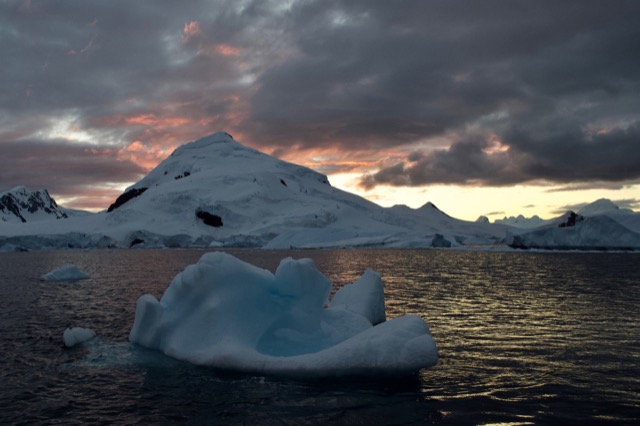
{"x": 411, "y": 93}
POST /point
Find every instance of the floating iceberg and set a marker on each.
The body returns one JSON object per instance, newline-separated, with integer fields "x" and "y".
{"x": 76, "y": 335}
{"x": 225, "y": 313}
{"x": 65, "y": 273}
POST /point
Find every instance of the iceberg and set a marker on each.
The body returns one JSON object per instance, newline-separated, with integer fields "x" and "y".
{"x": 225, "y": 313}
{"x": 65, "y": 273}
{"x": 77, "y": 335}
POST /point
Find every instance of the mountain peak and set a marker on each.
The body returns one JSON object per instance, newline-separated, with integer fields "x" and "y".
{"x": 601, "y": 206}
{"x": 22, "y": 205}
{"x": 431, "y": 209}
{"x": 428, "y": 206}
{"x": 218, "y": 138}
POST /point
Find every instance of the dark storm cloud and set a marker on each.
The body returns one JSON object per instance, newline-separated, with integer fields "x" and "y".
{"x": 375, "y": 73}
{"x": 544, "y": 78}
{"x": 555, "y": 82}
{"x": 103, "y": 59}
{"x": 102, "y": 76}
{"x": 562, "y": 157}
{"x": 62, "y": 167}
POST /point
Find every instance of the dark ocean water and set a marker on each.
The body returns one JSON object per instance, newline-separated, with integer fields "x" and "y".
{"x": 524, "y": 338}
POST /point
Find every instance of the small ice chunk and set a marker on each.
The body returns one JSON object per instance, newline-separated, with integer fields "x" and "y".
{"x": 65, "y": 273}
{"x": 76, "y": 335}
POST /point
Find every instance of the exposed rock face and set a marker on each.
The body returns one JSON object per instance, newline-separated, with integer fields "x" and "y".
{"x": 136, "y": 242}
{"x": 440, "y": 241}
{"x": 23, "y": 205}
{"x": 182, "y": 175}
{"x": 572, "y": 219}
{"x": 209, "y": 219}
{"x": 482, "y": 219}
{"x": 126, "y": 196}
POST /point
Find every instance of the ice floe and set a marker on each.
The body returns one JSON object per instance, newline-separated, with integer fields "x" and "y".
{"x": 65, "y": 273}
{"x": 77, "y": 335}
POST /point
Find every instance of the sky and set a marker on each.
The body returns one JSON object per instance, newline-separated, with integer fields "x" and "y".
{"x": 492, "y": 108}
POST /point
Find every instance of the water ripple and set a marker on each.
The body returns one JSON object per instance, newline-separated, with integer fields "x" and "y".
{"x": 524, "y": 338}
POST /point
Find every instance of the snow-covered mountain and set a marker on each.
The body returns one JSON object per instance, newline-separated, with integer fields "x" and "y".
{"x": 220, "y": 190}
{"x": 21, "y": 205}
{"x": 521, "y": 221}
{"x": 217, "y": 192}
{"x": 603, "y": 206}
{"x": 599, "y": 225}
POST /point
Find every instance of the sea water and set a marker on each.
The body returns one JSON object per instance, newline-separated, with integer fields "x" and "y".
{"x": 523, "y": 338}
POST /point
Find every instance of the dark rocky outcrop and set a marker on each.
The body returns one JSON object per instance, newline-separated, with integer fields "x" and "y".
{"x": 517, "y": 243}
{"x": 440, "y": 241}
{"x": 572, "y": 219}
{"x": 185, "y": 174}
{"x": 9, "y": 204}
{"x": 209, "y": 219}
{"x": 135, "y": 242}
{"x": 126, "y": 196}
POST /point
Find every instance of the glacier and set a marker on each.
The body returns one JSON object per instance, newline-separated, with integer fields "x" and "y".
{"x": 225, "y": 313}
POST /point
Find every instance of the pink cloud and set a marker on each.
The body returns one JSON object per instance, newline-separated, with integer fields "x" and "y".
{"x": 156, "y": 121}
{"x": 219, "y": 49}
{"x": 190, "y": 30}
{"x": 227, "y": 50}
{"x": 144, "y": 156}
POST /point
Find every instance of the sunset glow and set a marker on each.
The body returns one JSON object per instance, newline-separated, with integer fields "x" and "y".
{"x": 532, "y": 112}
{"x": 226, "y": 50}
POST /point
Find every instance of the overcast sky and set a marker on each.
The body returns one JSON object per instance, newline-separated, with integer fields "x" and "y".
{"x": 387, "y": 97}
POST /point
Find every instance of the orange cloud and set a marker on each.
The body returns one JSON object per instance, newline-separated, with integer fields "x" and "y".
{"x": 227, "y": 50}
{"x": 142, "y": 155}
{"x": 218, "y": 49}
{"x": 190, "y": 30}
{"x": 156, "y": 121}
{"x": 330, "y": 160}
{"x": 495, "y": 146}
